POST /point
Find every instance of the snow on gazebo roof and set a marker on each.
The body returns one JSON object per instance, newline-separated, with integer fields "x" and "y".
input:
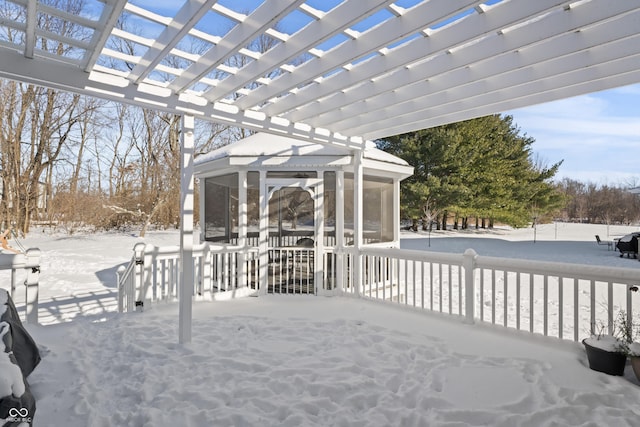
{"x": 269, "y": 145}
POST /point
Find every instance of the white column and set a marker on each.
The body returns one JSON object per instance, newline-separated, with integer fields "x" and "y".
{"x": 242, "y": 227}
{"x": 319, "y": 249}
{"x": 358, "y": 188}
{"x": 186, "y": 230}
{"x": 339, "y": 231}
{"x": 396, "y": 211}
{"x": 264, "y": 234}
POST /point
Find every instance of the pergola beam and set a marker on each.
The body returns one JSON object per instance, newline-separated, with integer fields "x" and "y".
{"x": 30, "y": 31}
{"x": 58, "y": 75}
{"x": 108, "y": 20}
{"x": 186, "y": 18}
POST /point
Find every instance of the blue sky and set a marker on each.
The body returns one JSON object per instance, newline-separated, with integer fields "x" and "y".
{"x": 597, "y": 135}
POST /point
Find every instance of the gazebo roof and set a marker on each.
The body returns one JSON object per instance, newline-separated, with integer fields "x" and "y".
{"x": 269, "y": 145}
{"x": 334, "y": 71}
{"x": 268, "y": 151}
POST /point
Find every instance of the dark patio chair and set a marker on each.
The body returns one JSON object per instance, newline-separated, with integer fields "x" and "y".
{"x": 604, "y": 242}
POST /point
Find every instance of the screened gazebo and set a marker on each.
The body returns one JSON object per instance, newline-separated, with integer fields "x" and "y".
{"x": 297, "y": 205}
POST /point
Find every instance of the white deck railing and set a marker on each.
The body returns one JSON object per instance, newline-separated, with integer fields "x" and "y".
{"x": 29, "y": 263}
{"x": 566, "y": 301}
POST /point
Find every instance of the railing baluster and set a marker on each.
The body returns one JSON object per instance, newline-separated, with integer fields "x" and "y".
{"x": 431, "y": 286}
{"x": 518, "y": 275}
{"x": 413, "y": 292}
{"x": 560, "y": 308}
{"x": 440, "y": 284}
{"x": 450, "y": 289}
{"x": 545, "y": 306}
{"x": 422, "y": 263}
{"x": 493, "y": 297}
{"x": 482, "y": 294}
{"x": 505, "y": 302}
{"x": 576, "y": 307}
{"x": 531, "y": 303}
{"x": 460, "y": 291}
{"x": 610, "y": 308}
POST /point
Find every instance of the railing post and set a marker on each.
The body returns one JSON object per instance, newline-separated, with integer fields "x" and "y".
{"x": 148, "y": 277}
{"x": 13, "y": 283}
{"x": 120, "y": 286}
{"x": 136, "y": 291}
{"x": 468, "y": 263}
{"x": 31, "y": 285}
{"x": 339, "y": 270}
{"x": 205, "y": 268}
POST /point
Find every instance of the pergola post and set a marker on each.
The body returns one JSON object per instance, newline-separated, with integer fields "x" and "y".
{"x": 340, "y": 231}
{"x": 396, "y": 210}
{"x": 186, "y": 229}
{"x": 242, "y": 229}
{"x": 264, "y": 234}
{"x": 357, "y": 219}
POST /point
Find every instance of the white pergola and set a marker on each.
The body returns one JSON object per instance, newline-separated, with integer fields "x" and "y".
{"x": 334, "y": 71}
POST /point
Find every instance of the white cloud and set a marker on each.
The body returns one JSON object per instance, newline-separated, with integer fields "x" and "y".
{"x": 597, "y": 135}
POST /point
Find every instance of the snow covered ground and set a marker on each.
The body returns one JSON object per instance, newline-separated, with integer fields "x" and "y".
{"x": 307, "y": 361}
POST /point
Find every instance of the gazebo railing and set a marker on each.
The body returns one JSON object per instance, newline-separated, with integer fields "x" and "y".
{"x": 153, "y": 273}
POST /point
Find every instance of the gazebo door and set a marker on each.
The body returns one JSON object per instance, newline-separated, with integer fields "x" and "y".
{"x": 294, "y": 217}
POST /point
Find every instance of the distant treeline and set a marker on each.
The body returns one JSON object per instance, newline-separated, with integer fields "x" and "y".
{"x": 598, "y": 204}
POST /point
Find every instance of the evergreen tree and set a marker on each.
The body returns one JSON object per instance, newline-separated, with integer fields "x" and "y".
{"x": 480, "y": 168}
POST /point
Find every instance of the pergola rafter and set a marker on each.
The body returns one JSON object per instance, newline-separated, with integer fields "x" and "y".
{"x": 545, "y": 66}
{"x": 354, "y": 71}
{"x": 252, "y": 27}
{"x": 309, "y": 101}
{"x": 491, "y": 57}
{"x": 390, "y": 31}
{"x": 316, "y": 32}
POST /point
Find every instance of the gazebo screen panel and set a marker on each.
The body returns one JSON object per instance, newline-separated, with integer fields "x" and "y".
{"x": 377, "y": 212}
{"x": 221, "y": 208}
{"x": 253, "y": 208}
{"x": 330, "y": 209}
{"x": 348, "y": 208}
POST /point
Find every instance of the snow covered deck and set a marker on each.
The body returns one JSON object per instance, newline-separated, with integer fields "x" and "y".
{"x": 305, "y": 360}
{"x": 278, "y": 360}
